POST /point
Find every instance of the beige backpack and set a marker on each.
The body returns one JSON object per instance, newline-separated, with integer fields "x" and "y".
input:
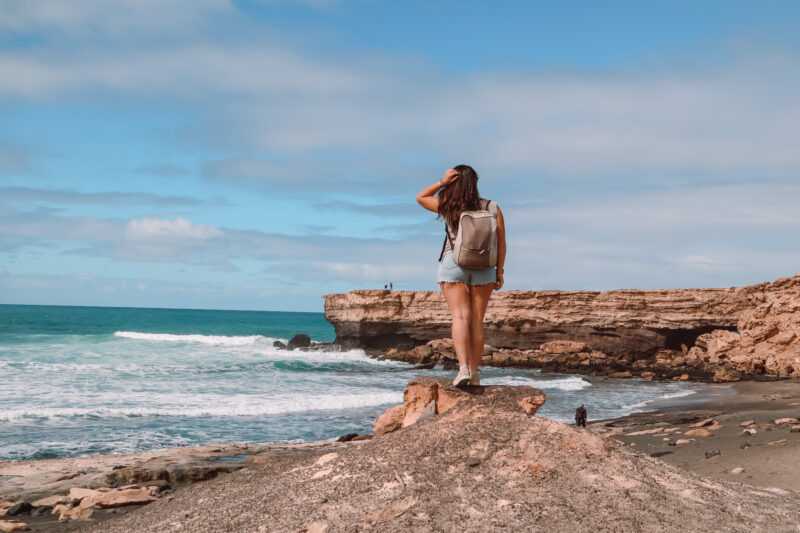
{"x": 475, "y": 243}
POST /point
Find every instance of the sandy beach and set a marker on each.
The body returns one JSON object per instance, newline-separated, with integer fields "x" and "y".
{"x": 767, "y": 452}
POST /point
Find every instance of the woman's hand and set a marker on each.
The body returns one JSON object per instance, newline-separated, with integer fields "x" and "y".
{"x": 499, "y": 283}
{"x": 450, "y": 175}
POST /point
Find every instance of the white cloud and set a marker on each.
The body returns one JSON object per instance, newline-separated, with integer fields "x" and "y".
{"x": 332, "y": 117}
{"x": 112, "y": 18}
{"x": 35, "y": 195}
{"x": 180, "y": 229}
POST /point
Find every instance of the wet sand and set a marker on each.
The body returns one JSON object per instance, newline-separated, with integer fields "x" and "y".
{"x": 769, "y": 458}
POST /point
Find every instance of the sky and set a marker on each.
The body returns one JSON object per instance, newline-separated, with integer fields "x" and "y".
{"x": 258, "y": 154}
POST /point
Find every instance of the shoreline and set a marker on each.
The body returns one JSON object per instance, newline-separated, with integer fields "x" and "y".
{"x": 767, "y": 458}
{"x": 767, "y": 452}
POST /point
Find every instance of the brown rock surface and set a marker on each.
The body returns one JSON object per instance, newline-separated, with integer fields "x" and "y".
{"x": 717, "y": 334}
{"x": 11, "y": 526}
{"x": 483, "y": 465}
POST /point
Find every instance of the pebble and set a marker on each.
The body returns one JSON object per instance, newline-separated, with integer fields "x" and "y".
{"x": 737, "y": 470}
{"x": 749, "y": 431}
{"x": 712, "y": 453}
{"x": 747, "y": 423}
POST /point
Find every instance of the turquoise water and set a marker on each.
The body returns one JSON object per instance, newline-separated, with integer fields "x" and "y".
{"x": 81, "y": 380}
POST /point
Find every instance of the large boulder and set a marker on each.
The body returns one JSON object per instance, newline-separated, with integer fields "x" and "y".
{"x": 301, "y": 340}
{"x": 426, "y": 397}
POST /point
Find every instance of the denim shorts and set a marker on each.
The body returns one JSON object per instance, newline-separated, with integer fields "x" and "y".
{"x": 450, "y": 272}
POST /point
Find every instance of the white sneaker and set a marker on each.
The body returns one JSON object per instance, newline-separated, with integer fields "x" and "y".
{"x": 475, "y": 377}
{"x": 463, "y": 377}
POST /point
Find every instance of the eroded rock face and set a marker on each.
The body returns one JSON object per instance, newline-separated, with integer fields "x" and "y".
{"x": 767, "y": 340}
{"x": 427, "y": 397}
{"x": 715, "y": 334}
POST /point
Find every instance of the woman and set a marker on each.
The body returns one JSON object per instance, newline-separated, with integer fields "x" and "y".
{"x": 467, "y": 291}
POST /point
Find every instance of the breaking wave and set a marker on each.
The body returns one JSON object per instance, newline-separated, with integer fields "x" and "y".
{"x": 214, "y": 340}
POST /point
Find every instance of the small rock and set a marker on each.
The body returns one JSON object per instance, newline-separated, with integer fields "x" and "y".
{"x": 749, "y": 431}
{"x": 699, "y": 432}
{"x": 390, "y": 420}
{"x": 117, "y": 498}
{"x": 747, "y": 423}
{"x": 50, "y": 501}
{"x": 317, "y": 527}
{"x": 19, "y": 508}
{"x": 301, "y": 340}
{"x": 712, "y": 453}
{"x": 682, "y": 442}
{"x": 683, "y": 377}
{"x": 473, "y": 462}
{"x": 780, "y": 442}
{"x": 76, "y": 494}
{"x": 625, "y": 374}
{"x": 660, "y": 454}
{"x": 8, "y": 526}
{"x": 347, "y": 437}
{"x": 786, "y": 421}
{"x": 738, "y": 470}
{"x": 279, "y": 345}
{"x": 795, "y": 429}
{"x": 531, "y": 404}
{"x": 744, "y": 445}
{"x": 703, "y": 423}
{"x": 647, "y": 376}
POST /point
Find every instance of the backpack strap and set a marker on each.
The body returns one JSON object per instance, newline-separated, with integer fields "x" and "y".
{"x": 447, "y": 237}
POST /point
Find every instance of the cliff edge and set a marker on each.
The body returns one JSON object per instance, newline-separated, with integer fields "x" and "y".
{"x": 720, "y": 334}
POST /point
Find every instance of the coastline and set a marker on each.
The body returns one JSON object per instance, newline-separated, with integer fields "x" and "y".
{"x": 767, "y": 457}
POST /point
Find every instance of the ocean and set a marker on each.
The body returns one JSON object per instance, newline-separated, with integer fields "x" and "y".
{"x": 85, "y": 380}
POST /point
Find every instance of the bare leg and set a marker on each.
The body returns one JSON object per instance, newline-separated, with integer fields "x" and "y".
{"x": 458, "y": 300}
{"x": 479, "y": 299}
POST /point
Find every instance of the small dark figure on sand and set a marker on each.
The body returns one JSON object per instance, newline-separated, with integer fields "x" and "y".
{"x": 390, "y": 285}
{"x": 580, "y": 416}
{"x": 385, "y": 286}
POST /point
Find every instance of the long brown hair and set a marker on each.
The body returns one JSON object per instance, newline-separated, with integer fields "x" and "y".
{"x": 461, "y": 195}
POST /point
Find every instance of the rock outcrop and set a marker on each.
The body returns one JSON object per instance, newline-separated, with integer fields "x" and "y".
{"x": 483, "y": 464}
{"x": 425, "y": 398}
{"x": 719, "y": 334}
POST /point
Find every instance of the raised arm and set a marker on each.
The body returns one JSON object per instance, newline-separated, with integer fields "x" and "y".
{"x": 427, "y": 197}
{"x": 501, "y": 247}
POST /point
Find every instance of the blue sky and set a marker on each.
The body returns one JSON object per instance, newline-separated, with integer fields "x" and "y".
{"x": 259, "y": 154}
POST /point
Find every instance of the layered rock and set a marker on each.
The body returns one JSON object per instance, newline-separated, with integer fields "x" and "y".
{"x": 766, "y": 340}
{"x": 721, "y": 334}
{"x": 425, "y": 398}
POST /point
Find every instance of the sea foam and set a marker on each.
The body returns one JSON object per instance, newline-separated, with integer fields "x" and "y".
{"x": 215, "y": 340}
{"x": 570, "y": 383}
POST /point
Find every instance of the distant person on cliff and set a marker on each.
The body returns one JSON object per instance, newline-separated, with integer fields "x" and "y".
{"x": 471, "y": 262}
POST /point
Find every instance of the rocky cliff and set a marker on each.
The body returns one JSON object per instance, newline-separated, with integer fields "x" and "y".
{"x": 722, "y": 334}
